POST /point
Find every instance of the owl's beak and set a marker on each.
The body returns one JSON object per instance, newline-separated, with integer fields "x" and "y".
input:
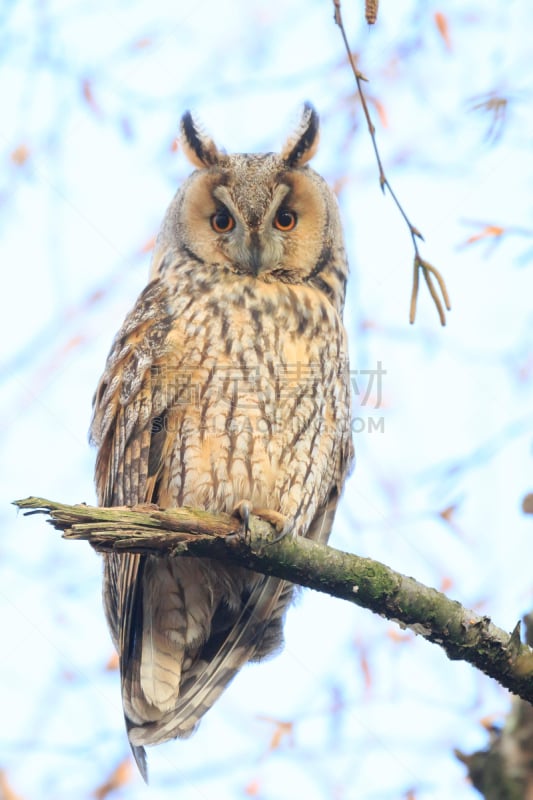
{"x": 255, "y": 251}
{"x": 255, "y": 256}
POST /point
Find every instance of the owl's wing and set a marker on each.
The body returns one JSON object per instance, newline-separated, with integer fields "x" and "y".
{"x": 133, "y": 392}
{"x": 320, "y": 528}
{"x": 128, "y": 403}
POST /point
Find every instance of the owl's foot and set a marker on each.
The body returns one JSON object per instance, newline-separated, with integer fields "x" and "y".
{"x": 282, "y": 524}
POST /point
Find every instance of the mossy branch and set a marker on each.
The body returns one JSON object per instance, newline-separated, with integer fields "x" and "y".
{"x": 146, "y": 529}
{"x": 504, "y": 769}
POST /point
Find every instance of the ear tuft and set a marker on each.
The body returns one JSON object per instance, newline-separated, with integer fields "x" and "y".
{"x": 302, "y": 145}
{"x": 199, "y": 148}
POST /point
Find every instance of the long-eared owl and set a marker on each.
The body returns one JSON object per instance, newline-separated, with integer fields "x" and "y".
{"x": 227, "y": 388}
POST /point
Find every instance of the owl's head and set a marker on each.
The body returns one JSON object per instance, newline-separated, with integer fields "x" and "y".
{"x": 266, "y": 216}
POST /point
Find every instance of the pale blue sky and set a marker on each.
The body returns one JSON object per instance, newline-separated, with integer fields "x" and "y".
{"x": 457, "y": 404}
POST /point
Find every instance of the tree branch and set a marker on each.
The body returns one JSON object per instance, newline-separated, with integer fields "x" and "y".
{"x": 189, "y": 532}
{"x": 505, "y": 768}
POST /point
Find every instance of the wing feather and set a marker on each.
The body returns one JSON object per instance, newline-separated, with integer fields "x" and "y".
{"x": 121, "y": 427}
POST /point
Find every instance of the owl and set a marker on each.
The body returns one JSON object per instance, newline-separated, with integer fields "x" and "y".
{"x": 226, "y": 389}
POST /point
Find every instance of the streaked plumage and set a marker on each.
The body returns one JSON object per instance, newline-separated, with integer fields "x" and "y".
{"x": 227, "y": 382}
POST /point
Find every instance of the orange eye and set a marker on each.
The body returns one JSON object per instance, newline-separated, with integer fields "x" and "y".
{"x": 285, "y": 220}
{"x": 222, "y": 221}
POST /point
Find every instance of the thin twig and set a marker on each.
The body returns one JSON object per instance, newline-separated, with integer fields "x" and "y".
{"x": 419, "y": 262}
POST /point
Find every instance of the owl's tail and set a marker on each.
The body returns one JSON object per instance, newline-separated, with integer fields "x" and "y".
{"x": 255, "y": 633}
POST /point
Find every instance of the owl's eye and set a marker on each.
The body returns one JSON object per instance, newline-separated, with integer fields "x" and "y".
{"x": 222, "y": 221}
{"x": 285, "y": 220}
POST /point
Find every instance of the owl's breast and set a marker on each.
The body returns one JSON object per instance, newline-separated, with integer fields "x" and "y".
{"x": 260, "y": 393}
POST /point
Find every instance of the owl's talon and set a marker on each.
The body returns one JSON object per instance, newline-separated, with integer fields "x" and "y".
{"x": 285, "y": 531}
{"x": 242, "y": 511}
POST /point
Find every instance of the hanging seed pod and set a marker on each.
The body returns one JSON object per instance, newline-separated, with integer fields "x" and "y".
{"x": 371, "y": 11}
